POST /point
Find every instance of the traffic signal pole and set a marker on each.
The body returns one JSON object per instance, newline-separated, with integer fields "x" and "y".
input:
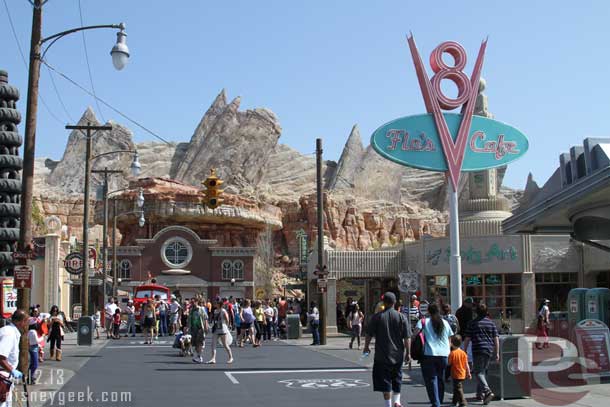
{"x": 320, "y": 267}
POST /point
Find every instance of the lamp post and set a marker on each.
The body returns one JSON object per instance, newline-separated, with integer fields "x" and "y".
{"x": 120, "y": 53}
{"x": 29, "y": 145}
{"x": 135, "y": 171}
{"x": 115, "y": 216}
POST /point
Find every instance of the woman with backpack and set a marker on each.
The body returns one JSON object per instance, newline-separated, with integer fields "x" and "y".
{"x": 436, "y": 333}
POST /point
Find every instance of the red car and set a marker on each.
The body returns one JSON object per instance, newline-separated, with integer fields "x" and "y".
{"x": 141, "y": 293}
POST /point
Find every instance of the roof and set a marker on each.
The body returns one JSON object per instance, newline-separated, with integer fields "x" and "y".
{"x": 575, "y": 195}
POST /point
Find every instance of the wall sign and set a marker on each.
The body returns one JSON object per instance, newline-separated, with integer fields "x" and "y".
{"x": 74, "y": 263}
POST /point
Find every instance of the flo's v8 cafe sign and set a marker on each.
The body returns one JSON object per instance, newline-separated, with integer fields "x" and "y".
{"x": 415, "y": 141}
{"x": 449, "y": 142}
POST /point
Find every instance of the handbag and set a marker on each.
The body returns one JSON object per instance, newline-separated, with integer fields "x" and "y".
{"x": 5, "y": 388}
{"x": 418, "y": 343}
{"x": 229, "y": 339}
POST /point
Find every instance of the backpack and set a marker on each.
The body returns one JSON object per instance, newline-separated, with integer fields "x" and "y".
{"x": 418, "y": 343}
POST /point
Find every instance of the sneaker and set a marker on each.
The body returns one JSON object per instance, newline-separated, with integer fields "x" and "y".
{"x": 198, "y": 359}
{"x": 488, "y": 398}
{"x": 156, "y": 338}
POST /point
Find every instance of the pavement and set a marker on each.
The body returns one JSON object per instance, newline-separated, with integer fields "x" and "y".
{"x": 128, "y": 373}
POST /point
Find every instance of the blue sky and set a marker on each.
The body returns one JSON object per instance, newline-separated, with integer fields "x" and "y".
{"x": 323, "y": 66}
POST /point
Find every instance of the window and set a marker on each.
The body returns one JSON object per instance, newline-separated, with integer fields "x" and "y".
{"x": 555, "y": 287}
{"x": 232, "y": 270}
{"x": 176, "y": 252}
{"x": 125, "y": 269}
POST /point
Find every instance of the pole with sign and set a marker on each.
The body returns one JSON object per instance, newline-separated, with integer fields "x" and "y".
{"x": 449, "y": 142}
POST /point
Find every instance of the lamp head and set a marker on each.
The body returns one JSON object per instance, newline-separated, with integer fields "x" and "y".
{"x": 120, "y": 51}
{"x": 140, "y": 199}
{"x": 136, "y": 167}
{"x": 141, "y": 221}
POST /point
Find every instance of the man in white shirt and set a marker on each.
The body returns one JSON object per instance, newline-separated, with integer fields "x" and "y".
{"x": 174, "y": 314}
{"x": 9, "y": 349}
{"x": 109, "y": 311}
{"x": 130, "y": 310}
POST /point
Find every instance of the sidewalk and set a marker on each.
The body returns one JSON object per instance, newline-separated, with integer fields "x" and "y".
{"x": 595, "y": 394}
{"x": 53, "y": 375}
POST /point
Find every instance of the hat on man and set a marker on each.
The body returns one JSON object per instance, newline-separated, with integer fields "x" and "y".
{"x": 469, "y": 300}
{"x": 547, "y": 301}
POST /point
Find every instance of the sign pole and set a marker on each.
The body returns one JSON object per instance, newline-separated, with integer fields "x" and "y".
{"x": 455, "y": 265}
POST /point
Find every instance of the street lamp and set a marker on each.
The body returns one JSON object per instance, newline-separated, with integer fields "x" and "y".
{"x": 29, "y": 149}
{"x": 136, "y": 167}
{"x": 120, "y": 52}
{"x": 115, "y": 216}
{"x": 140, "y": 200}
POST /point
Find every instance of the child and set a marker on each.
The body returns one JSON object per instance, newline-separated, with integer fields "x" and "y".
{"x": 33, "y": 348}
{"x": 97, "y": 317}
{"x": 116, "y": 324}
{"x": 458, "y": 362}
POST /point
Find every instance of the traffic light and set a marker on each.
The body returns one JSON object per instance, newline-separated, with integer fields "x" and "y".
{"x": 213, "y": 193}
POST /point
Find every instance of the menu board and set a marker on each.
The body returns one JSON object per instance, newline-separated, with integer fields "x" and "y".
{"x": 593, "y": 340}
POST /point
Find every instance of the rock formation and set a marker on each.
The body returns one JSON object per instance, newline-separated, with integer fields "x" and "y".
{"x": 371, "y": 202}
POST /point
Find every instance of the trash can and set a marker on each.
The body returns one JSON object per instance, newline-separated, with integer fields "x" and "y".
{"x": 506, "y": 378}
{"x": 558, "y": 325}
{"x": 293, "y": 326}
{"x": 86, "y": 326}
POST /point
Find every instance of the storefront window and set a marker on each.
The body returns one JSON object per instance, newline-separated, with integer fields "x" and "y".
{"x": 500, "y": 292}
{"x": 555, "y": 287}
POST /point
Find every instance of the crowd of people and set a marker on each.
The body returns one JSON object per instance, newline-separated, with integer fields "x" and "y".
{"x": 231, "y": 322}
{"x": 448, "y": 346}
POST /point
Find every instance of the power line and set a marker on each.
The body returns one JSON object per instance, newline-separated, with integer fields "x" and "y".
{"x": 80, "y": 11}
{"x": 61, "y": 101}
{"x": 10, "y": 20}
{"x": 114, "y": 109}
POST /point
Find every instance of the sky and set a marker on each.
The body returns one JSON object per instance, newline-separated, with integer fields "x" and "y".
{"x": 320, "y": 66}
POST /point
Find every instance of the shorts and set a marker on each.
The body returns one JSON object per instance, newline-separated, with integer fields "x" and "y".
{"x": 245, "y": 326}
{"x": 148, "y": 322}
{"x": 198, "y": 338}
{"x": 387, "y": 378}
{"x": 173, "y": 319}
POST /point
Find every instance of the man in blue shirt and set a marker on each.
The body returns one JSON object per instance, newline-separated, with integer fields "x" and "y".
{"x": 483, "y": 334}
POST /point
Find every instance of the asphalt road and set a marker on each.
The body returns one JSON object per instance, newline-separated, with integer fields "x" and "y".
{"x": 276, "y": 374}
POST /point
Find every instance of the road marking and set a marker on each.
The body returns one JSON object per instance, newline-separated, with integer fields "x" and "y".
{"x": 138, "y": 346}
{"x": 231, "y": 377}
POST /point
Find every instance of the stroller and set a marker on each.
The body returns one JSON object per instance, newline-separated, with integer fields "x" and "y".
{"x": 183, "y": 341}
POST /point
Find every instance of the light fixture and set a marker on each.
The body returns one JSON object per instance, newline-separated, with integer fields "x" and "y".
{"x": 141, "y": 221}
{"x": 232, "y": 282}
{"x": 120, "y": 52}
{"x": 140, "y": 199}
{"x": 136, "y": 167}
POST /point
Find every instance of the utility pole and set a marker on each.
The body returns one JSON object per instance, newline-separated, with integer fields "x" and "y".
{"x": 106, "y": 172}
{"x": 27, "y": 176}
{"x": 84, "y": 295}
{"x": 320, "y": 267}
{"x": 114, "y": 260}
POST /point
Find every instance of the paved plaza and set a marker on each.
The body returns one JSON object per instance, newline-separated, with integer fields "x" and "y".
{"x": 128, "y": 373}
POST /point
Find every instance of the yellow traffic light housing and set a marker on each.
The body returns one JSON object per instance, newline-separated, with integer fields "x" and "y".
{"x": 213, "y": 194}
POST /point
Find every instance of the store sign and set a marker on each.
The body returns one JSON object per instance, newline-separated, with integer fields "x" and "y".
{"x": 9, "y": 297}
{"x": 473, "y": 255}
{"x": 23, "y": 276}
{"x": 73, "y": 263}
{"x": 473, "y": 280}
{"x": 493, "y": 279}
{"x": 77, "y": 311}
{"x": 414, "y": 141}
{"x": 593, "y": 341}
